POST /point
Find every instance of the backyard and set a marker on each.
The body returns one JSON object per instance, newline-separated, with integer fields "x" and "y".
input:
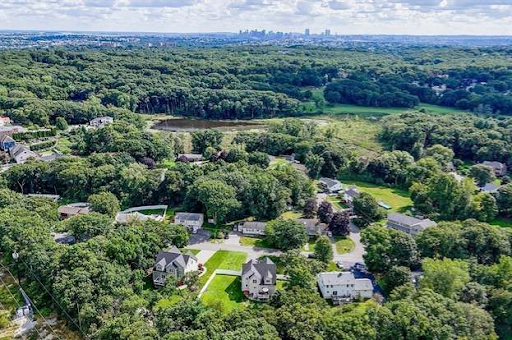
{"x": 398, "y": 199}
{"x": 225, "y": 294}
{"x": 344, "y": 245}
{"x": 223, "y": 259}
{"x": 255, "y": 242}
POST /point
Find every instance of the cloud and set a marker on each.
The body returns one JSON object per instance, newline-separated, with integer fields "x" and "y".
{"x": 338, "y": 5}
{"x": 162, "y": 3}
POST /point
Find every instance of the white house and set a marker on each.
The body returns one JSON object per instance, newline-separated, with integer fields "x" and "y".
{"x": 331, "y": 185}
{"x": 252, "y": 228}
{"x": 101, "y": 122}
{"x": 500, "y": 169}
{"x": 73, "y": 209}
{"x": 259, "y": 279}
{"x": 5, "y": 121}
{"x": 408, "y": 224}
{"x": 339, "y": 286}
{"x": 173, "y": 263}
{"x": 193, "y": 222}
{"x": 490, "y": 188}
{"x": 350, "y": 194}
{"x": 21, "y": 153}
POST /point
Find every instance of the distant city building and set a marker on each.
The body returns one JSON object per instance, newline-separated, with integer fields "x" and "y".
{"x": 307, "y": 32}
{"x": 327, "y": 32}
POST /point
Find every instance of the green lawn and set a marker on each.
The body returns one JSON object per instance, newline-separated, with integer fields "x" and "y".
{"x": 363, "y": 110}
{"x": 336, "y": 202}
{"x": 167, "y": 164}
{"x": 291, "y": 215}
{"x": 277, "y": 163}
{"x": 332, "y": 267}
{"x": 398, "y": 199}
{"x": 223, "y": 259}
{"x": 254, "y": 242}
{"x": 152, "y": 212}
{"x": 63, "y": 146}
{"x": 344, "y": 245}
{"x": 225, "y": 294}
{"x": 311, "y": 245}
{"x": 503, "y": 222}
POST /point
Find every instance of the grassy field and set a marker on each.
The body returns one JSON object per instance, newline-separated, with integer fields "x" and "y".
{"x": 223, "y": 259}
{"x": 502, "y": 222}
{"x": 254, "y": 242}
{"x": 336, "y": 202}
{"x": 291, "y": 215}
{"x": 344, "y": 245}
{"x": 399, "y": 200}
{"x": 225, "y": 294}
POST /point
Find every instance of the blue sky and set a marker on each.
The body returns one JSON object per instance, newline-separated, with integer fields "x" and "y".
{"x": 341, "y": 16}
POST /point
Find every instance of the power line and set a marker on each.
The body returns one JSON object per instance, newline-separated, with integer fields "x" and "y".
{"x": 51, "y": 295}
{"x": 32, "y": 302}
{"x": 16, "y": 302}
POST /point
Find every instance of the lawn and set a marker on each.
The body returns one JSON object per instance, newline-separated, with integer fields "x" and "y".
{"x": 502, "y": 222}
{"x": 225, "y": 294}
{"x": 399, "y": 200}
{"x": 167, "y": 164}
{"x": 223, "y": 259}
{"x": 344, "y": 245}
{"x": 291, "y": 215}
{"x": 277, "y": 163}
{"x": 152, "y": 212}
{"x": 254, "y": 242}
{"x": 63, "y": 146}
{"x": 311, "y": 245}
{"x": 336, "y": 202}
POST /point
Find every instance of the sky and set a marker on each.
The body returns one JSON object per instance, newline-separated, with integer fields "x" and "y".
{"x": 425, "y": 17}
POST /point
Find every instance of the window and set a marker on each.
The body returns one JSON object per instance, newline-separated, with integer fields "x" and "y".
{"x": 254, "y": 281}
{"x": 335, "y": 293}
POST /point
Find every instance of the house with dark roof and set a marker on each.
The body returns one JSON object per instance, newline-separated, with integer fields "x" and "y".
{"x": 193, "y": 222}
{"x": 252, "y": 228}
{"x": 313, "y": 226}
{"x": 173, "y": 263}
{"x": 408, "y": 224}
{"x": 350, "y": 194}
{"x": 21, "y": 153}
{"x": 70, "y": 210}
{"x": 500, "y": 169}
{"x": 259, "y": 279}
{"x": 331, "y": 185}
{"x": 189, "y": 157}
{"x": 6, "y": 143}
{"x": 341, "y": 286}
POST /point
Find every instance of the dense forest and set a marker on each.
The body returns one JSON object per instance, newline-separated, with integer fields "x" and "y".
{"x": 245, "y": 82}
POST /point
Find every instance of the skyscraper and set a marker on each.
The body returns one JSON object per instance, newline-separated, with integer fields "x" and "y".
{"x": 307, "y": 32}
{"x": 327, "y": 32}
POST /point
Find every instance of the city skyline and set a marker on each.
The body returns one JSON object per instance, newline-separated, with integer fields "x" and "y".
{"x": 411, "y": 17}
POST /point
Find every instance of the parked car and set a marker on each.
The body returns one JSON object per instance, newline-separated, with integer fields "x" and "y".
{"x": 226, "y": 236}
{"x": 311, "y": 256}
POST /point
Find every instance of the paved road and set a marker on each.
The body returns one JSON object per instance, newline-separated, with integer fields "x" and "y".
{"x": 204, "y": 255}
{"x": 200, "y": 241}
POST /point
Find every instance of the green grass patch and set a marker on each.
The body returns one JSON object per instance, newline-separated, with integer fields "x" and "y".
{"x": 336, "y": 202}
{"x": 291, "y": 215}
{"x": 280, "y": 285}
{"x": 63, "y": 146}
{"x": 152, "y": 212}
{"x": 278, "y": 162}
{"x": 254, "y": 242}
{"x": 503, "y": 222}
{"x": 363, "y": 110}
{"x": 436, "y": 109}
{"x": 225, "y": 294}
{"x": 344, "y": 245}
{"x": 310, "y": 246}
{"x": 167, "y": 164}
{"x": 398, "y": 199}
{"x": 167, "y": 302}
{"x": 223, "y": 259}
{"x": 331, "y": 267}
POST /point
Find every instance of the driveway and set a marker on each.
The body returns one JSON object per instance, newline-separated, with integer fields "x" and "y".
{"x": 204, "y": 255}
{"x": 231, "y": 244}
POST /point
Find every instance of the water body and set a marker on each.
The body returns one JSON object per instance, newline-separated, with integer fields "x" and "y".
{"x": 187, "y": 125}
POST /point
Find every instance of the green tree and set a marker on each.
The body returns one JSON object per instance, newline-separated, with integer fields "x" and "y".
{"x": 104, "y": 203}
{"x": 218, "y": 198}
{"x": 286, "y": 234}
{"x": 314, "y": 164}
{"x": 61, "y": 124}
{"x": 446, "y": 277}
{"x": 482, "y": 174}
{"x": 397, "y": 276}
{"x": 89, "y": 225}
{"x": 201, "y": 140}
{"x": 504, "y": 199}
{"x": 367, "y": 208}
{"x": 323, "y": 249}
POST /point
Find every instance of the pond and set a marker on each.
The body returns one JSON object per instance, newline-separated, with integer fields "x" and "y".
{"x": 188, "y": 125}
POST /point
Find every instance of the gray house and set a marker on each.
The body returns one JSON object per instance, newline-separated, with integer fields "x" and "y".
{"x": 173, "y": 263}
{"x": 408, "y": 224}
{"x": 252, "y": 228}
{"x": 259, "y": 279}
{"x": 331, "y": 185}
{"x": 313, "y": 226}
{"x": 500, "y": 169}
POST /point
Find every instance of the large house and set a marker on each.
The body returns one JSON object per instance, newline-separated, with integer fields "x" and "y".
{"x": 500, "y": 169}
{"x": 193, "y": 222}
{"x": 21, "y": 153}
{"x": 173, "y": 263}
{"x": 313, "y": 226}
{"x": 350, "y": 194}
{"x": 490, "y": 188}
{"x": 408, "y": 224}
{"x": 11, "y": 130}
{"x": 331, "y": 185}
{"x": 340, "y": 286}
{"x": 70, "y": 210}
{"x": 189, "y": 157}
{"x": 135, "y": 216}
{"x": 259, "y": 279}
{"x": 252, "y": 228}
{"x": 6, "y": 143}
{"x": 101, "y": 122}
